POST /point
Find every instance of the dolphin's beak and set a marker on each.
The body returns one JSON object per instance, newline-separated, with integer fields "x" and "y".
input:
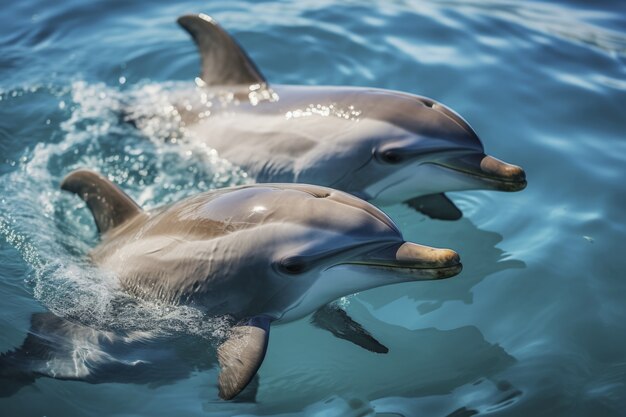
{"x": 421, "y": 262}
{"x": 496, "y": 174}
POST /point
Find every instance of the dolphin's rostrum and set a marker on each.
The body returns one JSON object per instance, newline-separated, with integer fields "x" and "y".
{"x": 384, "y": 146}
{"x": 262, "y": 254}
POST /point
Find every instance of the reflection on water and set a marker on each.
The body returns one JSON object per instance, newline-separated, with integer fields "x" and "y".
{"x": 58, "y": 348}
{"x": 481, "y": 258}
{"x": 421, "y": 362}
{"x": 550, "y": 20}
{"x": 64, "y": 350}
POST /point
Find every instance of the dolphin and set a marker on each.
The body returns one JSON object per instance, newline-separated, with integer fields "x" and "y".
{"x": 259, "y": 254}
{"x": 386, "y": 147}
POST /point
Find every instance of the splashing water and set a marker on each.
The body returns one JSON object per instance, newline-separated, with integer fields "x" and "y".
{"x": 95, "y": 136}
{"x": 534, "y": 325}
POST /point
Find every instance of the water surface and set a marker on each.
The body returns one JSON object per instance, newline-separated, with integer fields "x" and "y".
{"x": 534, "y": 325}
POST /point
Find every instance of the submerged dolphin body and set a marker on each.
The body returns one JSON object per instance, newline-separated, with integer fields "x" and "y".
{"x": 260, "y": 254}
{"x": 59, "y": 348}
{"x": 384, "y": 146}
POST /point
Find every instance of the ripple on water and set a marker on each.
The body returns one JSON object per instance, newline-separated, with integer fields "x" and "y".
{"x": 95, "y": 137}
{"x": 534, "y": 324}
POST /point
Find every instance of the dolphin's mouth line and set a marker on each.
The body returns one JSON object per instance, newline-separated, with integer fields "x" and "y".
{"x": 396, "y": 266}
{"x": 477, "y": 174}
{"x": 411, "y": 259}
{"x": 435, "y": 271}
{"x": 508, "y": 184}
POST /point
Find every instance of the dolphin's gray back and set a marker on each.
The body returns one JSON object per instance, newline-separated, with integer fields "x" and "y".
{"x": 288, "y": 138}
{"x": 213, "y": 249}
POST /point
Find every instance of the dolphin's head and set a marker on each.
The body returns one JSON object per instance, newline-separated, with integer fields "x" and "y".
{"x": 408, "y": 146}
{"x": 299, "y": 247}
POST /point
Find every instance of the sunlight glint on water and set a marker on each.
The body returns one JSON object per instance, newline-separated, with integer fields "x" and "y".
{"x": 534, "y": 325}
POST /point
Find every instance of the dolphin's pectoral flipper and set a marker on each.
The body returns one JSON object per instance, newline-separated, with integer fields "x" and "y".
{"x": 436, "y": 206}
{"x": 241, "y": 355}
{"x": 109, "y": 205}
{"x": 224, "y": 62}
{"x": 333, "y": 318}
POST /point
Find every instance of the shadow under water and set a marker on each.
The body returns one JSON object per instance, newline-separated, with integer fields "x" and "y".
{"x": 310, "y": 365}
{"x": 481, "y": 258}
{"x": 61, "y": 349}
{"x": 304, "y": 364}
{"x": 300, "y": 361}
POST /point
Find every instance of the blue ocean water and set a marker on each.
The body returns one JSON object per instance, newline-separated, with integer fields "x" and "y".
{"x": 534, "y": 325}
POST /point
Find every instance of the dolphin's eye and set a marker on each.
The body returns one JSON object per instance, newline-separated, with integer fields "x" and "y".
{"x": 293, "y": 266}
{"x": 391, "y": 157}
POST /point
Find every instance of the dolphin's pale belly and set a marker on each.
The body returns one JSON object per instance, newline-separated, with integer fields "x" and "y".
{"x": 428, "y": 178}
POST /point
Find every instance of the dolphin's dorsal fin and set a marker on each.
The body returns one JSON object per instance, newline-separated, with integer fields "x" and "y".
{"x": 109, "y": 205}
{"x": 241, "y": 355}
{"x": 224, "y": 62}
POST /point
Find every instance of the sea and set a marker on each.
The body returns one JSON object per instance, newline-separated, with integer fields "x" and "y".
{"x": 535, "y": 324}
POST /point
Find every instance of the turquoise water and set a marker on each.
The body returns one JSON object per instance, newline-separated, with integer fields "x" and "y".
{"x": 534, "y": 325}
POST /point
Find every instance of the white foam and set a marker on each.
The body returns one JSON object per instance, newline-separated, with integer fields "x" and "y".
{"x": 53, "y": 231}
